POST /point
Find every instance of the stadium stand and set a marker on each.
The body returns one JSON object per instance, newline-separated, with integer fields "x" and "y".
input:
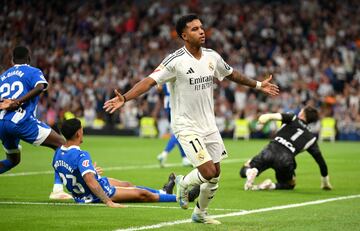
{"x": 87, "y": 48}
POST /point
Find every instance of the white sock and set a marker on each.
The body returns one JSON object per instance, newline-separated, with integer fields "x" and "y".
{"x": 164, "y": 153}
{"x": 207, "y": 192}
{"x": 193, "y": 178}
{"x": 58, "y": 188}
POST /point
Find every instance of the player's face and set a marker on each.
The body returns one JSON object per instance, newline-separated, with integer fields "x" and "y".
{"x": 301, "y": 114}
{"x": 194, "y": 33}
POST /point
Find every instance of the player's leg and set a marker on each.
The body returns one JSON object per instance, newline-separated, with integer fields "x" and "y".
{"x": 54, "y": 140}
{"x": 11, "y": 146}
{"x": 206, "y": 154}
{"x": 197, "y": 153}
{"x": 10, "y": 162}
{"x": 207, "y": 193}
{"x": 167, "y": 189}
{"x": 284, "y": 167}
{"x": 162, "y": 157}
{"x": 57, "y": 192}
{"x": 119, "y": 183}
{"x": 285, "y": 179}
{"x": 132, "y": 194}
{"x": 217, "y": 151}
{"x": 40, "y": 134}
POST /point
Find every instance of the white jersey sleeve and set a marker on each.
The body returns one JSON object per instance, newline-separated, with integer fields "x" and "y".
{"x": 165, "y": 72}
{"x": 222, "y": 68}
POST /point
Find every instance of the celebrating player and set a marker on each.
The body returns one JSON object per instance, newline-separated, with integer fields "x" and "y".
{"x": 292, "y": 138}
{"x": 190, "y": 72}
{"x": 20, "y": 87}
{"x": 82, "y": 178}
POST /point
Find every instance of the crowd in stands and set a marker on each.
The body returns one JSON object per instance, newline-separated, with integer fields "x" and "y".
{"x": 88, "y": 48}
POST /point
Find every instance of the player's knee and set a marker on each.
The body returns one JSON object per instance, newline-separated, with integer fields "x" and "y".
{"x": 209, "y": 172}
{"x": 146, "y": 196}
{"x": 292, "y": 184}
{"x": 127, "y": 184}
{"x": 286, "y": 186}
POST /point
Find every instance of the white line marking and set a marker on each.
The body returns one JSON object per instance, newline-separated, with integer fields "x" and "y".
{"x": 172, "y": 223}
{"x": 102, "y": 205}
{"x": 132, "y": 167}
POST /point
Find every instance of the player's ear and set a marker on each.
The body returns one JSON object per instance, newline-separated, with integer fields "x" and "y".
{"x": 184, "y": 36}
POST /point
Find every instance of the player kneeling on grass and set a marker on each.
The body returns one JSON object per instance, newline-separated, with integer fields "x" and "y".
{"x": 82, "y": 178}
{"x": 292, "y": 138}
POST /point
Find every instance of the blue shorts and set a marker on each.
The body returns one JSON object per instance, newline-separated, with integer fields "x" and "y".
{"x": 30, "y": 130}
{"x": 91, "y": 198}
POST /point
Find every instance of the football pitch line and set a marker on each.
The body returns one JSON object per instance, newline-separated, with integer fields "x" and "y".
{"x": 130, "y": 167}
{"x": 103, "y": 205}
{"x": 242, "y": 213}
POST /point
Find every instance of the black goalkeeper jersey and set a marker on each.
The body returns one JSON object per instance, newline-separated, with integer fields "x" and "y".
{"x": 296, "y": 137}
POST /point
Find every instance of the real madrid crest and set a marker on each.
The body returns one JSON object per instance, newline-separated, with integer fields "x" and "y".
{"x": 211, "y": 66}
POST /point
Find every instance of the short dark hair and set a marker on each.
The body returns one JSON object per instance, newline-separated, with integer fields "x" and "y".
{"x": 182, "y": 21}
{"x": 311, "y": 114}
{"x": 20, "y": 54}
{"x": 70, "y": 127}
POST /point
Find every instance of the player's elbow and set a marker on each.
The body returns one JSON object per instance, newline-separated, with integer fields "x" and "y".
{"x": 243, "y": 172}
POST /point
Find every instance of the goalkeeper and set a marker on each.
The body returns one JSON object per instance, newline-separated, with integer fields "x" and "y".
{"x": 292, "y": 138}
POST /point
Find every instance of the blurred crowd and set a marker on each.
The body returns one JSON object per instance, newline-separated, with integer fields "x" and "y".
{"x": 88, "y": 48}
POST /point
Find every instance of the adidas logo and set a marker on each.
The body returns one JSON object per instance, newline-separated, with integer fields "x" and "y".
{"x": 190, "y": 71}
{"x": 223, "y": 153}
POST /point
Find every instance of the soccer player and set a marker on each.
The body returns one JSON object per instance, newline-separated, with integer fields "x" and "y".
{"x": 20, "y": 87}
{"x": 191, "y": 71}
{"x": 162, "y": 157}
{"x": 86, "y": 185}
{"x": 292, "y": 138}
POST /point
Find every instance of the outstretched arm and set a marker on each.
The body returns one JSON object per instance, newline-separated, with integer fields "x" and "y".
{"x": 264, "y": 118}
{"x": 315, "y": 152}
{"x": 118, "y": 101}
{"x": 265, "y": 86}
{"x": 13, "y": 104}
{"x": 95, "y": 187}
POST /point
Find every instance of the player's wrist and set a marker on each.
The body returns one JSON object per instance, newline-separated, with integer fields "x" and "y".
{"x": 258, "y": 85}
{"x": 124, "y": 98}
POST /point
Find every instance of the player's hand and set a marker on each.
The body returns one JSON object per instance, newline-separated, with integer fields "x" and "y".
{"x": 325, "y": 183}
{"x": 9, "y": 104}
{"x": 263, "y": 119}
{"x": 112, "y": 204}
{"x": 269, "y": 88}
{"x": 114, "y": 103}
{"x": 98, "y": 169}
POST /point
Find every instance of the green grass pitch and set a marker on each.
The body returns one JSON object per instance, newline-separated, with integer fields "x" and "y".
{"x": 24, "y": 203}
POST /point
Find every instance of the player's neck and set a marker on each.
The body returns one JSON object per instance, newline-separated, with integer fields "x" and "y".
{"x": 72, "y": 143}
{"x": 194, "y": 50}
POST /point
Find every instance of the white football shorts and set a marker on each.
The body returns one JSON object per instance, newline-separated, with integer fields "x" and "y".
{"x": 201, "y": 149}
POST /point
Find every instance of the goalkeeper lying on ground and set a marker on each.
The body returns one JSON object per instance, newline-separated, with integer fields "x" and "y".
{"x": 292, "y": 138}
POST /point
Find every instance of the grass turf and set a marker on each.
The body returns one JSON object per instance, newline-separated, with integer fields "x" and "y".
{"x": 134, "y": 159}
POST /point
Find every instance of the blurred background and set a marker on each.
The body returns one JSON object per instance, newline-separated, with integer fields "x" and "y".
{"x": 88, "y": 48}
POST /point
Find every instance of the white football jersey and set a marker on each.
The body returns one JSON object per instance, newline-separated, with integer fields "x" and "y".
{"x": 191, "y": 88}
